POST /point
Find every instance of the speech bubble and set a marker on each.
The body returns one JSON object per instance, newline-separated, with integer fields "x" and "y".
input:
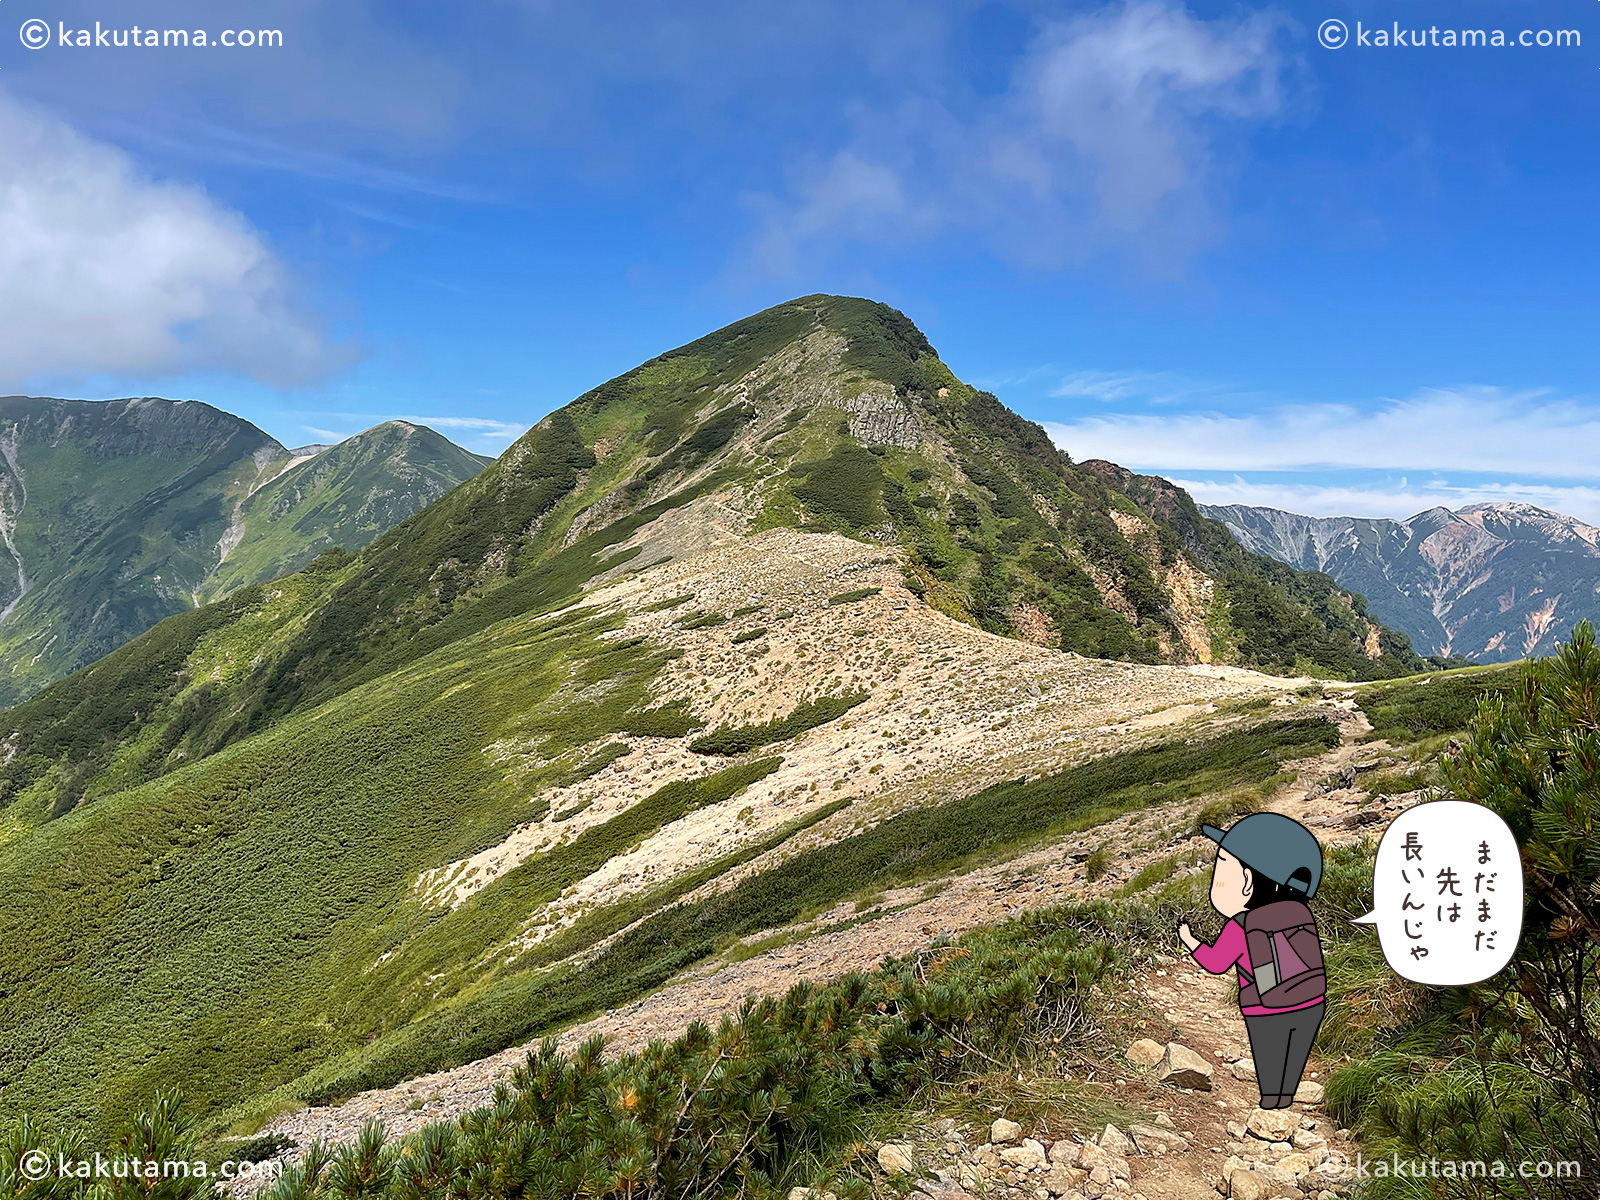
{"x": 1447, "y": 893}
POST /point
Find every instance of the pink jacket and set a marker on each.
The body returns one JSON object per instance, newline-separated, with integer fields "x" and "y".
{"x": 1230, "y": 950}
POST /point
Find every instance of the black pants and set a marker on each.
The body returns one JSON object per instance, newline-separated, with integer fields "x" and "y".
{"x": 1280, "y": 1044}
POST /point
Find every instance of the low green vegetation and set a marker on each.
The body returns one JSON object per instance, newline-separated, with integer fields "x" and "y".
{"x": 750, "y": 635}
{"x": 700, "y": 620}
{"x": 852, "y": 597}
{"x": 770, "y": 1099}
{"x": 1413, "y": 709}
{"x": 1098, "y": 863}
{"x": 252, "y": 916}
{"x": 1507, "y": 1069}
{"x": 740, "y": 739}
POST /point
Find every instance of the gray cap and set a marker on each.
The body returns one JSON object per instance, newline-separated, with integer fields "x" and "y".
{"x": 1274, "y": 845}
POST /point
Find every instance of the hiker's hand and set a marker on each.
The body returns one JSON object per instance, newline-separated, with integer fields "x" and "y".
{"x": 1188, "y": 939}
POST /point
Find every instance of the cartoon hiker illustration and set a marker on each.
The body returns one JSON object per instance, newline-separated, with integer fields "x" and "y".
{"x": 1267, "y": 867}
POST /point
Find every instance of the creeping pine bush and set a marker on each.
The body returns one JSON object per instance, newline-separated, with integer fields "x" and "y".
{"x": 717, "y": 1111}
{"x": 737, "y": 739}
{"x": 1509, "y": 1069}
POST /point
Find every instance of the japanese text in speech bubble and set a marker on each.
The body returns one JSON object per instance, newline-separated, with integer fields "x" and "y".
{"x": 1447, "y": 893}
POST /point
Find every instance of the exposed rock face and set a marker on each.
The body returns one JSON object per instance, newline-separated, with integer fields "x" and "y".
{"x": 1494, "y": 582}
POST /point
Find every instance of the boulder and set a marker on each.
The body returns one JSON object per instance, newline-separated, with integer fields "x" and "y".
{"x": 1309, "y": 1092}
{"x": 1272, "y": 1124}
{"x": 1245, "y": 1069}
{"x": 1182, "y": 1067}
{"x": 1146, "y": 1052}
{"x": 1029, "y": 1154}
{"x": 1102, "y": 1165}
{"x": 1297, "y": 1162}
{"x": 1074, "y": 1176}
{"x": 1304, "y": 1139}
{"x": 1003, "y": 1131}
{"x": 1164, "y": 1121}
{"x": 897, "y": 1158}
{"x": 1257, "y": 1185}
{"x": 1152, "y": 1139}
{"x": 1280, "y": 1175}
{"x": 1063, "y": 1180}
{"x": 1114, "y": 1141}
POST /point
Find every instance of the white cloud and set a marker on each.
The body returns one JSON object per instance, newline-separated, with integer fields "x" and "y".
{"x": 109, "y": 272}
{"x": 1395, "y": 500}
{"x": 1484, "y": 430}
{"x": 1109, "y": 134}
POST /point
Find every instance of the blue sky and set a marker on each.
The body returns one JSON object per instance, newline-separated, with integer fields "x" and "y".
{"x": 1191, "y": 239}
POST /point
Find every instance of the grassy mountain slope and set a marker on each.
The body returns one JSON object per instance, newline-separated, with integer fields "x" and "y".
{"x": 411, "y": 805}
{"x": 116, "y": 515}
{"x": 825, "y": 413}
{"x": 344, "y": 496}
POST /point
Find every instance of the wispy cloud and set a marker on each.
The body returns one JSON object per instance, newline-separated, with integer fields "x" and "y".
{"x": 1110, "y": 134}
{"x": 1152, "y": 387}
{"x": 1481, "y": 430}
{"x": 215, "y": 143}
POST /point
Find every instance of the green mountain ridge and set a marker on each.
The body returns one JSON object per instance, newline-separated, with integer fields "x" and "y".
{"x": 216, "y": 837}
{"x": 118, "y": 514}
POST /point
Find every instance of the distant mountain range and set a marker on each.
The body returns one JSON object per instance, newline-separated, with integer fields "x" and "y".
{"x": 116, "y": 514}
{"x": 1493, "y": 582}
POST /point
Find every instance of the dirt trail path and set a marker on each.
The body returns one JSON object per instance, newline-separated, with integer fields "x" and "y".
{"x": 1194, "y": 1143}
{"x": 839, "y": 941}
